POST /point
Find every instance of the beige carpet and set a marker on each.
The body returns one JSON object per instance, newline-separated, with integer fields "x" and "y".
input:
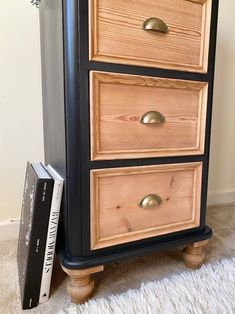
{"x": 207, "y": 290}
{"x": 121, "y": 276}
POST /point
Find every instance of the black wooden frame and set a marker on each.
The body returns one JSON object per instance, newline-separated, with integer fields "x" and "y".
{"x": 74, "y": 239}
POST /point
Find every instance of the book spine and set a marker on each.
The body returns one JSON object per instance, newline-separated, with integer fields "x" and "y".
{"x": 41, "y": 211}
{"x": 22, "y": 249}
{"x": 51, "y": 241}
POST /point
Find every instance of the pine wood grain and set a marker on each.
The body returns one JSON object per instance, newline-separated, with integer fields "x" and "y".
{"x": 119, "y": 100}
{"x": 198, "y": 1}
{"x": 115, "y": 33}
{"x": 115, "y": 193}
{"x": 80, "y": 284}
{"x": 193, "y": 254}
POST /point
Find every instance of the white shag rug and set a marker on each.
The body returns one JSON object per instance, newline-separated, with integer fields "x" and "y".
{"x": 208, "y": 290}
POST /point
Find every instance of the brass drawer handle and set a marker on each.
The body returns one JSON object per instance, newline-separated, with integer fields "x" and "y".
{"x": 150, "y": 201}
{"x": 155, "y": 24}
{"x": 152, "y": 117}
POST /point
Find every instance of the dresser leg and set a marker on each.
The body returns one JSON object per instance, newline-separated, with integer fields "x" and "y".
{"x": 193, "y": 254}
{"x": 80, "y": 285}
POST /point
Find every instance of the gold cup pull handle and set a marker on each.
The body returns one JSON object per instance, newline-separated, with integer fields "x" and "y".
{"x": 150, "y": 201}
{"x": 152, "y": 117}
{"x": 155, "y": 24}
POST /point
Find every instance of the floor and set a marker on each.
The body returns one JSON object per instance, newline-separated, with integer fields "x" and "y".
{"x": 123, "y": 275}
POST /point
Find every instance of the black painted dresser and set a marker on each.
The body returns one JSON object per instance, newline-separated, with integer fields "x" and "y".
{"x": 127, "y": 102}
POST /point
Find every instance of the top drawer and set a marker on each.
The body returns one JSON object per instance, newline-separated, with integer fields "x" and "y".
{"x": 177, "y": 37}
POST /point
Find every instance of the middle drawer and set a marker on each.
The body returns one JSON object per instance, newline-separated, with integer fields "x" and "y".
{"x": 137, "y": 116}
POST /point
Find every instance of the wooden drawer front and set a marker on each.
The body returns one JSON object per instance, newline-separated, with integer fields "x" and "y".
{"x": 118, "y": 101}
{"x": 116, "y": 33}
{"x": 116, "y": 216}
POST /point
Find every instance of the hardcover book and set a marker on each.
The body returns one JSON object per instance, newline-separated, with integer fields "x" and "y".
{"x": 35, "y": 213}
{"x": 51, "y": 234}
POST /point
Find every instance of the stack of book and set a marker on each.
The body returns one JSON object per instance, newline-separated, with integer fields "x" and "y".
{"x": 38, "y": 229}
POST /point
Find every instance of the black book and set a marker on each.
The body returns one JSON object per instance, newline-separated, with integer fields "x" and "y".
{"x": 35, "y": 213}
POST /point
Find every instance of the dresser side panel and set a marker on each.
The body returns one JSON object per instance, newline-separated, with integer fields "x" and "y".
{"x": 52, "y": 67}
{"x": 211, "y": 73}
{"x": 73, "y": 128}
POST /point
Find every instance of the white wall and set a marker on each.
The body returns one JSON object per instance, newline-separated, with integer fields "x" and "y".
{"x": 21, "y": 136}
{"x": 21, "y": 110}
{"x": 222, "y": 163}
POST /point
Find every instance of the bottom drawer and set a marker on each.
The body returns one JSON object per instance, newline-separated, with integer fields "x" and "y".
{"x": 133, "y": 203}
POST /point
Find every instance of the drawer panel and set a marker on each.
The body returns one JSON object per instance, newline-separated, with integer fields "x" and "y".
{"x": 136, "y": 116}
{"x": 134, "y": 203}
{"x": 116, "y": 33}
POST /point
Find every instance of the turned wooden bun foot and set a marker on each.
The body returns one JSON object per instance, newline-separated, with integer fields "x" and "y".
{"x": 80, "y": 284}
{"x": 193, "y": 254}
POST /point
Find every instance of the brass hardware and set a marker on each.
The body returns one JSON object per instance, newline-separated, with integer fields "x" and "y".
{"x": 150, "y": 201}
{"x": 152, "y": 117}
{"x": 155, "y": 24}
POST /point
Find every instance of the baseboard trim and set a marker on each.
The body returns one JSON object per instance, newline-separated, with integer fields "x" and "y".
{"x": 221, "y": 198}
{"x": 9, "y": 230}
